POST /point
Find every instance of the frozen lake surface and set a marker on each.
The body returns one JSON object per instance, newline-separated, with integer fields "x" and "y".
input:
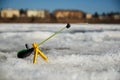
{"x": 83, "y": 52}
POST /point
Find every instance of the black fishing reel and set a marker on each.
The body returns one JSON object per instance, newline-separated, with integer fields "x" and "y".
{"x": 25, "y": 52}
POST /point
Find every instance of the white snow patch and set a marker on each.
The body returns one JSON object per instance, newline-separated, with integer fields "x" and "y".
{"x": 83, "y": 52}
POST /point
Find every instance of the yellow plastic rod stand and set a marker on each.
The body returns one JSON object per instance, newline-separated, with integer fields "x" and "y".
{"x": 36, "y": 52}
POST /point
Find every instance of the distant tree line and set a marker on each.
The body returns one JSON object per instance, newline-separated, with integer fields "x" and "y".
{"x": 109, "y": 14}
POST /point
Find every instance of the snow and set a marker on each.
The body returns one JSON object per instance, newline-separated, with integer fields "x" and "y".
{"x": 83, "y": 52}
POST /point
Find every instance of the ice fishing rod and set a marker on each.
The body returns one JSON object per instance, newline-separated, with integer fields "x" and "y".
{"x": 28, "y": 51}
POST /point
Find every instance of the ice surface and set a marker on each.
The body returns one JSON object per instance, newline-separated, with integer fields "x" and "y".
{"x": 83, "y": 52}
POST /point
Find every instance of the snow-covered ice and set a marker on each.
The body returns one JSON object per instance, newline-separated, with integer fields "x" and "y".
{"x": 83, "y": 52}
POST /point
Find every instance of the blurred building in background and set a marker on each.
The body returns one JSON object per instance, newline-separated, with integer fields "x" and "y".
{"x": 88, "y": 16}
{"x": 36, "y": 13}
{"x": 9, "y": 13}
{"x": 116, "y": 17}
{"x": 69, "y": 14}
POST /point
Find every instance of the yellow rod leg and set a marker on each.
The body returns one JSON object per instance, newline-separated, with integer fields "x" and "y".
{"x": 35, "y": 57}
{"x": 42, "y": 55}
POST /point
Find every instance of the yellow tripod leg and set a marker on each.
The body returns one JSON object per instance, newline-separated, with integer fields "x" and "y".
{"x": 42, "y": 55}
{"x": 35, "y": 46}
{"x": 35, "y": 56}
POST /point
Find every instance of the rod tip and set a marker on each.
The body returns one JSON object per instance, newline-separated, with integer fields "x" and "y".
{"x": 68, "y": 25}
